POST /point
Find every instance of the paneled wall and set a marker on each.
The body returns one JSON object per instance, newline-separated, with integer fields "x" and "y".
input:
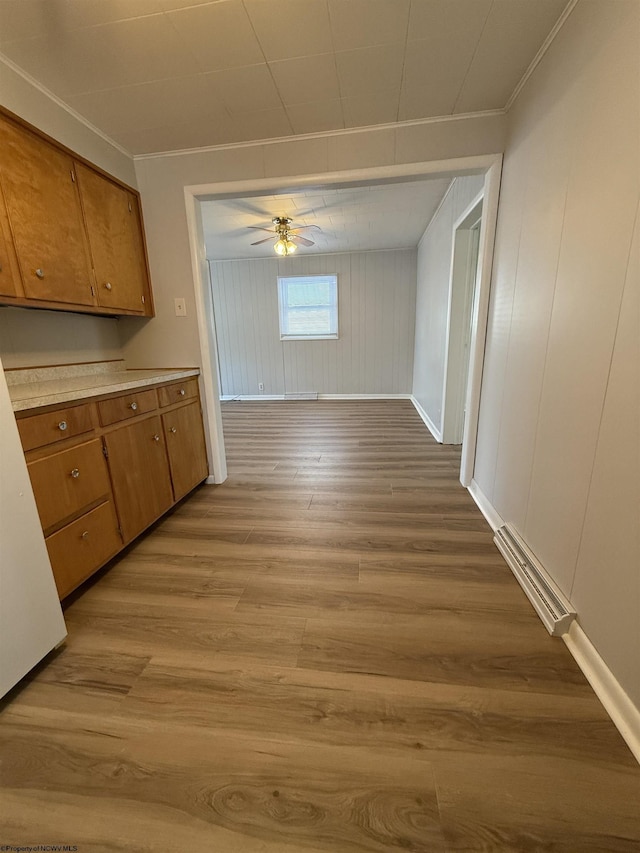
{"x": 432, "y": 299}
{"x": 558, "y": 453}
{"x": 376, "y": 306}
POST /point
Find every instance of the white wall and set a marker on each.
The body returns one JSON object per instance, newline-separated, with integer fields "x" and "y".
{"x": 376, "y": 306}
{"x": 161, "y": 180}
{"x": 35, "y": 337}
{"x": 558, "y": 442}
{"x": 432, "y": 299}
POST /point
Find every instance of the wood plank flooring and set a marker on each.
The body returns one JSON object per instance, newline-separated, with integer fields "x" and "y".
{"x": 325, "y": 653}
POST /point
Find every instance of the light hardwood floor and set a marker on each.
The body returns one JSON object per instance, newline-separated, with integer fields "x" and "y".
{"x": 326, "y": 653}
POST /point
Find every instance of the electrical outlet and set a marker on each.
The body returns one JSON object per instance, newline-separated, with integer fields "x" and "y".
{"x": 181, "y": 307}
{"x": 260, "y": 386}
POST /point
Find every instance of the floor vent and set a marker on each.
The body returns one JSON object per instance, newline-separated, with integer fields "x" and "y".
{"x": 302, "y": 395}
{"x": 551, "y": 606}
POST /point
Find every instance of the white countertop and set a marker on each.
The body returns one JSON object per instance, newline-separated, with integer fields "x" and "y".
{"x": 33, "y": 388}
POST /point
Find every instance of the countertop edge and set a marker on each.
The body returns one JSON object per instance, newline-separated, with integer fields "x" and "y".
{"x": 39, "y": 400}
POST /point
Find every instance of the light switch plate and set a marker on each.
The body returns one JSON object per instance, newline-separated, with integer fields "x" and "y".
{"x": 181, "y": 307}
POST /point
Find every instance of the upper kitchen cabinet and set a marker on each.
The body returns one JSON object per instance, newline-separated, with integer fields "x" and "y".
{"x": 43, "y": 205}
{"x": 114, "y": 231}
{"x": 10, "y": 283}
{"x": 71, "y": 237}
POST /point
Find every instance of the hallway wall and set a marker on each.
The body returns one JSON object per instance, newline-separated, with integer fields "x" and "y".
{"x": 557, "y": 451}
{"x": 435, "y": 252}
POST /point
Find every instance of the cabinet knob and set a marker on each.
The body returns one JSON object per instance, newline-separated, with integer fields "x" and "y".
{"x": 107, "y": 285}
{"x": 40, "y": 273}
{"x": 75, "y": 473}
{"x": 85, "y": 535}
{"x": 181, "y": 392}
{"x": 172, "y": 429}
{"x": 133, "y": 406}
{"x": 156, "y": 437}
{"x": 62, "y": 425}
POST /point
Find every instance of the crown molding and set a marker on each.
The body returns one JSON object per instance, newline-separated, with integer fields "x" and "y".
{"x": 325, "y": 134}
{"x": 63, "y": 105}
{"x": 398, "y": 125}
{"x": 546, "y": 44}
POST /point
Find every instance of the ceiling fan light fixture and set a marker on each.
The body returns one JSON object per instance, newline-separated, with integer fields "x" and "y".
{"x": 284, "y": 246}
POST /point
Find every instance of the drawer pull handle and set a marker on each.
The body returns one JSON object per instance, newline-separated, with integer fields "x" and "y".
{"x": 85, "y": 535}
{"x": 181, "y": 392}
{"x": 172, "y": 429}
{"x": 156, "y": 437}
{"x": 40, "y": 272}
{"x": 75, "y": 473}
{"x": 133, "y": 406}
{"x": 62, "y": 425}
{"x": 107, "y": 285}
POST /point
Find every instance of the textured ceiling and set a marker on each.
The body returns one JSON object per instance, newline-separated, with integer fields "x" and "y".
{"x": 385, "y": 216}
{"x": 158, "y": 75}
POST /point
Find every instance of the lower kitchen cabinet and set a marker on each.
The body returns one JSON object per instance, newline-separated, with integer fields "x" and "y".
{"x": 79, "y": 548}
{"x": 186, "y": 448}
{"x": 81, "y": 480}
{"x": 140, "y": 474}
{"x": 103, "y": 470}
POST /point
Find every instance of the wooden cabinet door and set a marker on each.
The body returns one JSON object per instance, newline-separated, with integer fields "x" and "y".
{"x": 66, "y": 482}
{"x": 139, "y": 474}
{"x": 79, "y": 549}
{"x": 116, "y": 242}
{"x": 186, "y": 448}
{"x": 10, "y": 283}
{"x": 41, "y": 195}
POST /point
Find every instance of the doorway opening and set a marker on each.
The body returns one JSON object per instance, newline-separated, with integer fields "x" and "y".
{"x": 489, "y": 165}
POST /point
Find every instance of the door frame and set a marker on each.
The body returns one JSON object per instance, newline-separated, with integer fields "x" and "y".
{"x": 460, "y": 318}
{"x": 488, "y": 164}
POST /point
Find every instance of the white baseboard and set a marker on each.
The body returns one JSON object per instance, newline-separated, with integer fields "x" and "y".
{"x": 433, "y": 429}
{"x": 364, "y": 396}
{"x": 267, "y": 398}
{"x": 271, "y": 397}
{"x": 485, "y": 506}
{"x": 625, "y": 715}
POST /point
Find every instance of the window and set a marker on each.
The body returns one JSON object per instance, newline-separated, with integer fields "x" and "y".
{"x": 308, "y": 307}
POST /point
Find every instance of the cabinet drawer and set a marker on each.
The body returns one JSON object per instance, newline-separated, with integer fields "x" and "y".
{"x": 40, "y": 430}
{"x": 78, "y": 549}
{"x": 67, "y": 481}
{"x": 186, "y": 390}
{"x": 128, "y": 406}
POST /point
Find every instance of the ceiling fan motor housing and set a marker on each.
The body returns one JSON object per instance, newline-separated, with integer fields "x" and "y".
{"x": 282, "y": 223}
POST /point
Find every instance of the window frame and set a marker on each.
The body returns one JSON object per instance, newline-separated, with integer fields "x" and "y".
{"x": 284, "y": 308}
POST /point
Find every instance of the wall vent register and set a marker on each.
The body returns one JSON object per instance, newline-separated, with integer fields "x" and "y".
{"x": 550, "y": 604}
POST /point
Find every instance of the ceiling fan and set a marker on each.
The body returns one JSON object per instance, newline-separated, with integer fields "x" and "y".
{"x": 287, "y": 238}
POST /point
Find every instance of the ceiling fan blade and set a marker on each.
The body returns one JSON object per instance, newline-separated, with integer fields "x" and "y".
{"x": 260, "y": 228}
{"x": 266, "y": 239}
{"x": 296, "y": 238}
{"x": 300, "y": 227}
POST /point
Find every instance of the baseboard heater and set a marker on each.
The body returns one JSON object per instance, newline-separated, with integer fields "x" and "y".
{"x": 302, "y": 395}
{"x": 552, "y": 607}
